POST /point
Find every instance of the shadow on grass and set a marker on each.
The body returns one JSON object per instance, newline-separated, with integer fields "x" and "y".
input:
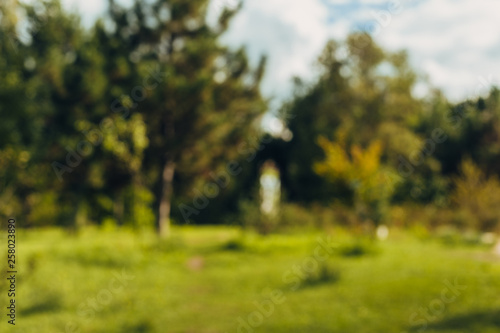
{"x": 50, "y": 303}
{"x": 324, "y": 274}
{"x": 234, "y": 245}
{"x": 470, "y": 322}
{"x": 357, "y": 249}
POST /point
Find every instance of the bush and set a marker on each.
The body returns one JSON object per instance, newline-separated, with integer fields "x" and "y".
{"x": 234, "y": 245}
{"x": 372, "y": 183}
{"x": 357, "y": 248}
{"x": 251, "y": 218}
{"x": 452, "y": 236}
{"x": 476, "y": 198}
{"x": 324, "y": 273}
{"x": 292, "y": 217}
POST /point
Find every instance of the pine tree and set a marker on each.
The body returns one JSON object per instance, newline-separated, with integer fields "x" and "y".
{"x": 199, "y": 100}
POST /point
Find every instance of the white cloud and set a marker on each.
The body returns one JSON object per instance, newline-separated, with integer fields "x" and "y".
{"x": 453, "y": 41}
{"x": 291, "y": 33}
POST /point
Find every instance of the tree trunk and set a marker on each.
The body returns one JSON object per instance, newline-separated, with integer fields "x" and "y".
{"x": 166, "y": 191}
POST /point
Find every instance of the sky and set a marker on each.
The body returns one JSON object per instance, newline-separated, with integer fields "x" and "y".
{"x": 456, "y": 43}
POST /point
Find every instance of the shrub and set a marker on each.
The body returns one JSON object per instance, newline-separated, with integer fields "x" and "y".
{"x": 234, "y": 245}
{"x": 251, "y": 218}
{"x": 476, "y": 198}
{"x": 324, "y": 273}
{"x": 357, "y": 248}
{"x": 362, "y": 171}
{"x": 290, "y": 216}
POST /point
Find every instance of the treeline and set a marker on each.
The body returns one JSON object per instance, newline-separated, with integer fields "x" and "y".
{"x": 363, "y": 140}
{"x": 113, "y": 124}
{"x": 146, "y": 117}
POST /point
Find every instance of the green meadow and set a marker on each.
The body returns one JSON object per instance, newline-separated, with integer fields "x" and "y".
{"x": 222, "y": 279}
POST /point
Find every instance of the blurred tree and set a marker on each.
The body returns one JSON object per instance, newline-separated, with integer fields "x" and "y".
{"x": 476, "y": 197}
{"x": 363, "y": 96}
{"x": 103, "y": 124}
{"x": 117, "y": 111}
{"x": 362, "y": 172}
{"x": 472, "y": 129}
{"x": 31, "y": 99}
{"x": 199, "y": 100}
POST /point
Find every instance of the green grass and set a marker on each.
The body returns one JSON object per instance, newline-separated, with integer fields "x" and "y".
{"x": 205, "y": 278}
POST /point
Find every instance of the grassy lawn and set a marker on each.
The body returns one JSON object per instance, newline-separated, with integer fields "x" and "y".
{"x": 211, "y": 279}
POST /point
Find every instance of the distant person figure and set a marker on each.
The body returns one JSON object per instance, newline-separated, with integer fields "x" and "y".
{"x": 270, "y": 190}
